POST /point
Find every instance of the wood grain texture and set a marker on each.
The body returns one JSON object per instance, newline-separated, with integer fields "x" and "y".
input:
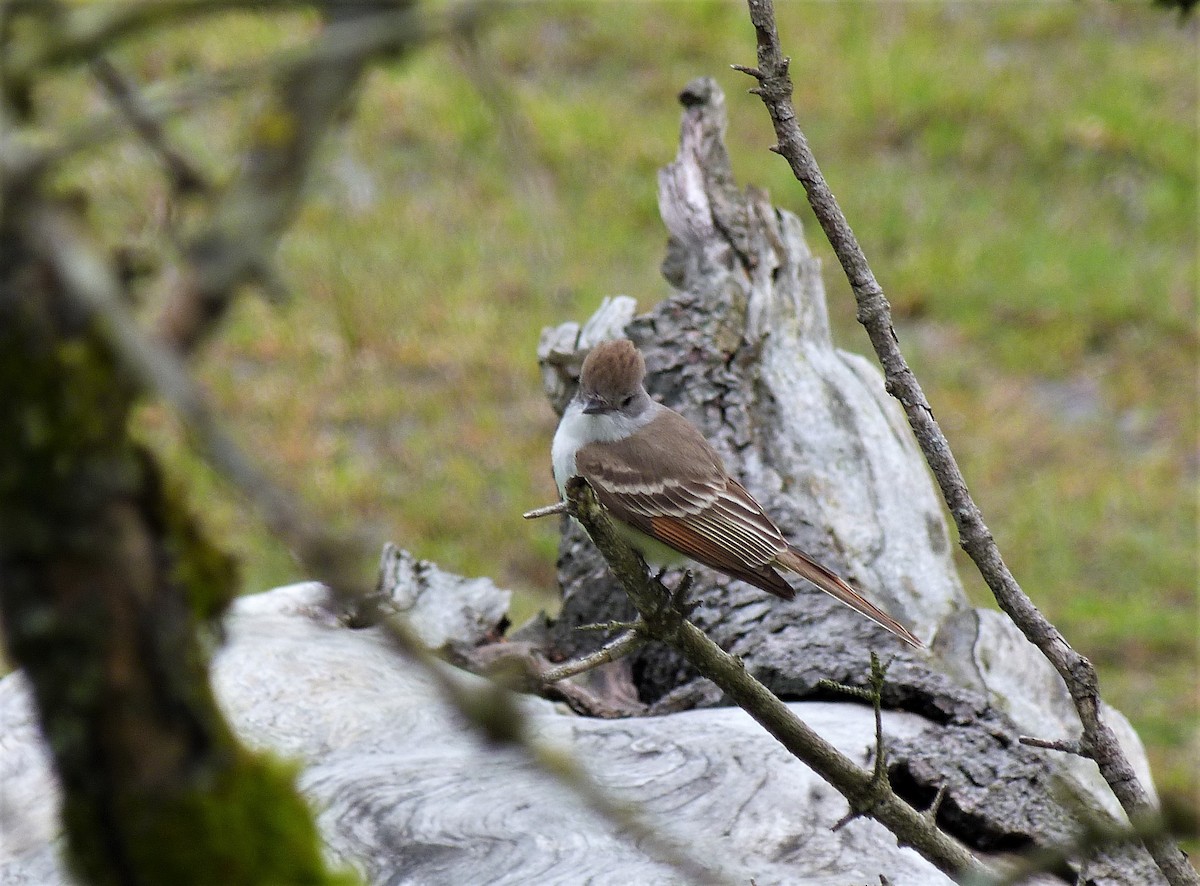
{"x": 405, "y": 796}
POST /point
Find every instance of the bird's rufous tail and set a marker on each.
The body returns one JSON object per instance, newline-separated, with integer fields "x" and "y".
{"x": 831, "y": 584}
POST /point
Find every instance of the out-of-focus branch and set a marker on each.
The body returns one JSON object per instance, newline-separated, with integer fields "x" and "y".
{"x": 185, "y": 175}
{"x": 78, "y": 34}
{"x": 27, "y": 151}
{"x": 1067, "y": 747}
{"x": 312, "y": 89}
{"x": 866, "y": 794}
{"x": 241, "y": 237}
{"x": 105, "y": 583}
{"x": 874, "y": 313}
{"x": 310, "y": 94}
{"x": 1093, "y": 837}
{"x": 337, "y": 561}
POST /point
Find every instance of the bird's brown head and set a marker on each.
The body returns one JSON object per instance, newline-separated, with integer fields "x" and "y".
{"x": 612, "y": 376}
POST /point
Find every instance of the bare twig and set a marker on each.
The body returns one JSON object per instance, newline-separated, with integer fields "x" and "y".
{"x": 866, "y": 795}
{"x": 1066, "y": 746}
{"x": 85, "y": 32}
{"x": 186, "y": 176}
{"x": 628, "y": 642}
{"x": 878, "y": 672}
{"x": 934, "y": 807}
{"x": 610, "y": 626}
{"x": 559, "y": 507}
{"x": 873, "y": 693}
{"x": 874, "y": 313}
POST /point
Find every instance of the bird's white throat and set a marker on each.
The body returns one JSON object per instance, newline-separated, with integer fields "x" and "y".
{"x": 577, "y": 429}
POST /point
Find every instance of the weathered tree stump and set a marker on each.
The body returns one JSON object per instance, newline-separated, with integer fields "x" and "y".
{"x": 743, "y": 349}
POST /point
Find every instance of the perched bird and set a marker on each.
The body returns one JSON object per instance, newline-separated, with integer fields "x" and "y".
{"x": 668, "y": 490}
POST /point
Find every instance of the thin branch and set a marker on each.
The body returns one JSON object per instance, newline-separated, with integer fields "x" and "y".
{"x": 878, "y": 672}
{"x": 874, "y": 313}
{"x": 932, "y": 812}
{"x": 559, "y": 507}
{"x": 873, "y": 694}
{"x": 608, "y": 626}
{"x": 522, "y": 667}
{"x": 186, "y": 176}
{"x": 866, "y": 795}
{"x": 623, "y": 645}
{"x": 1066, "y": 746}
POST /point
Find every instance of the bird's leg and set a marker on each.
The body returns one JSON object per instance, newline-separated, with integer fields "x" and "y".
{"x": 679, "y": 597}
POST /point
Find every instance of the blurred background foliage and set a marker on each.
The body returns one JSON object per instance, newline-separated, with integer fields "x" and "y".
{"x": 1023, "y": 177}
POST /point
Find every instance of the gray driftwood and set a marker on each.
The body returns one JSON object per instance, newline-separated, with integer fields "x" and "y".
{"x": 742, "y": 348}
{"x": 405, "y": 795}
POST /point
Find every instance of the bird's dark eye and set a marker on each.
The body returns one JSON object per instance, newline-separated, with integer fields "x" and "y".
{"x": 627, "y": 401}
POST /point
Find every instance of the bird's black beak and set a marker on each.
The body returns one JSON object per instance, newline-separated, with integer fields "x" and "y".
{"x": 595, "y": 406}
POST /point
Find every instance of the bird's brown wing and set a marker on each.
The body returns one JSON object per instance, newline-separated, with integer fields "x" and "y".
{"x": 685, "y": 500}
{"x": 685, "y": 538}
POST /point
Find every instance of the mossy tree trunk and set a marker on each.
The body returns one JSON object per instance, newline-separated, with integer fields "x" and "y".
{"x": 106, "y": 586}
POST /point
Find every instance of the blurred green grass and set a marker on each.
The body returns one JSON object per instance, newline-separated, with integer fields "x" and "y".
{"x": 1023, "y": 177}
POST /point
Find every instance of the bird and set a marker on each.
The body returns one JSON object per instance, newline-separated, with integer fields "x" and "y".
{"x": 668, "y": 491}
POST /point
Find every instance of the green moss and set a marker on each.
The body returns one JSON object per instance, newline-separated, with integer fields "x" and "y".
{"x": 61, "y": 431}
{"x": 106, "y": 577}
{"x": 207, "y": 574}
{"x": 244, "y": 824}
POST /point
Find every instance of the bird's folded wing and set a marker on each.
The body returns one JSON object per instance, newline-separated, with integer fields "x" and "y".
{"x": 710, "y": 519}
{"x": 683, "y": 536}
